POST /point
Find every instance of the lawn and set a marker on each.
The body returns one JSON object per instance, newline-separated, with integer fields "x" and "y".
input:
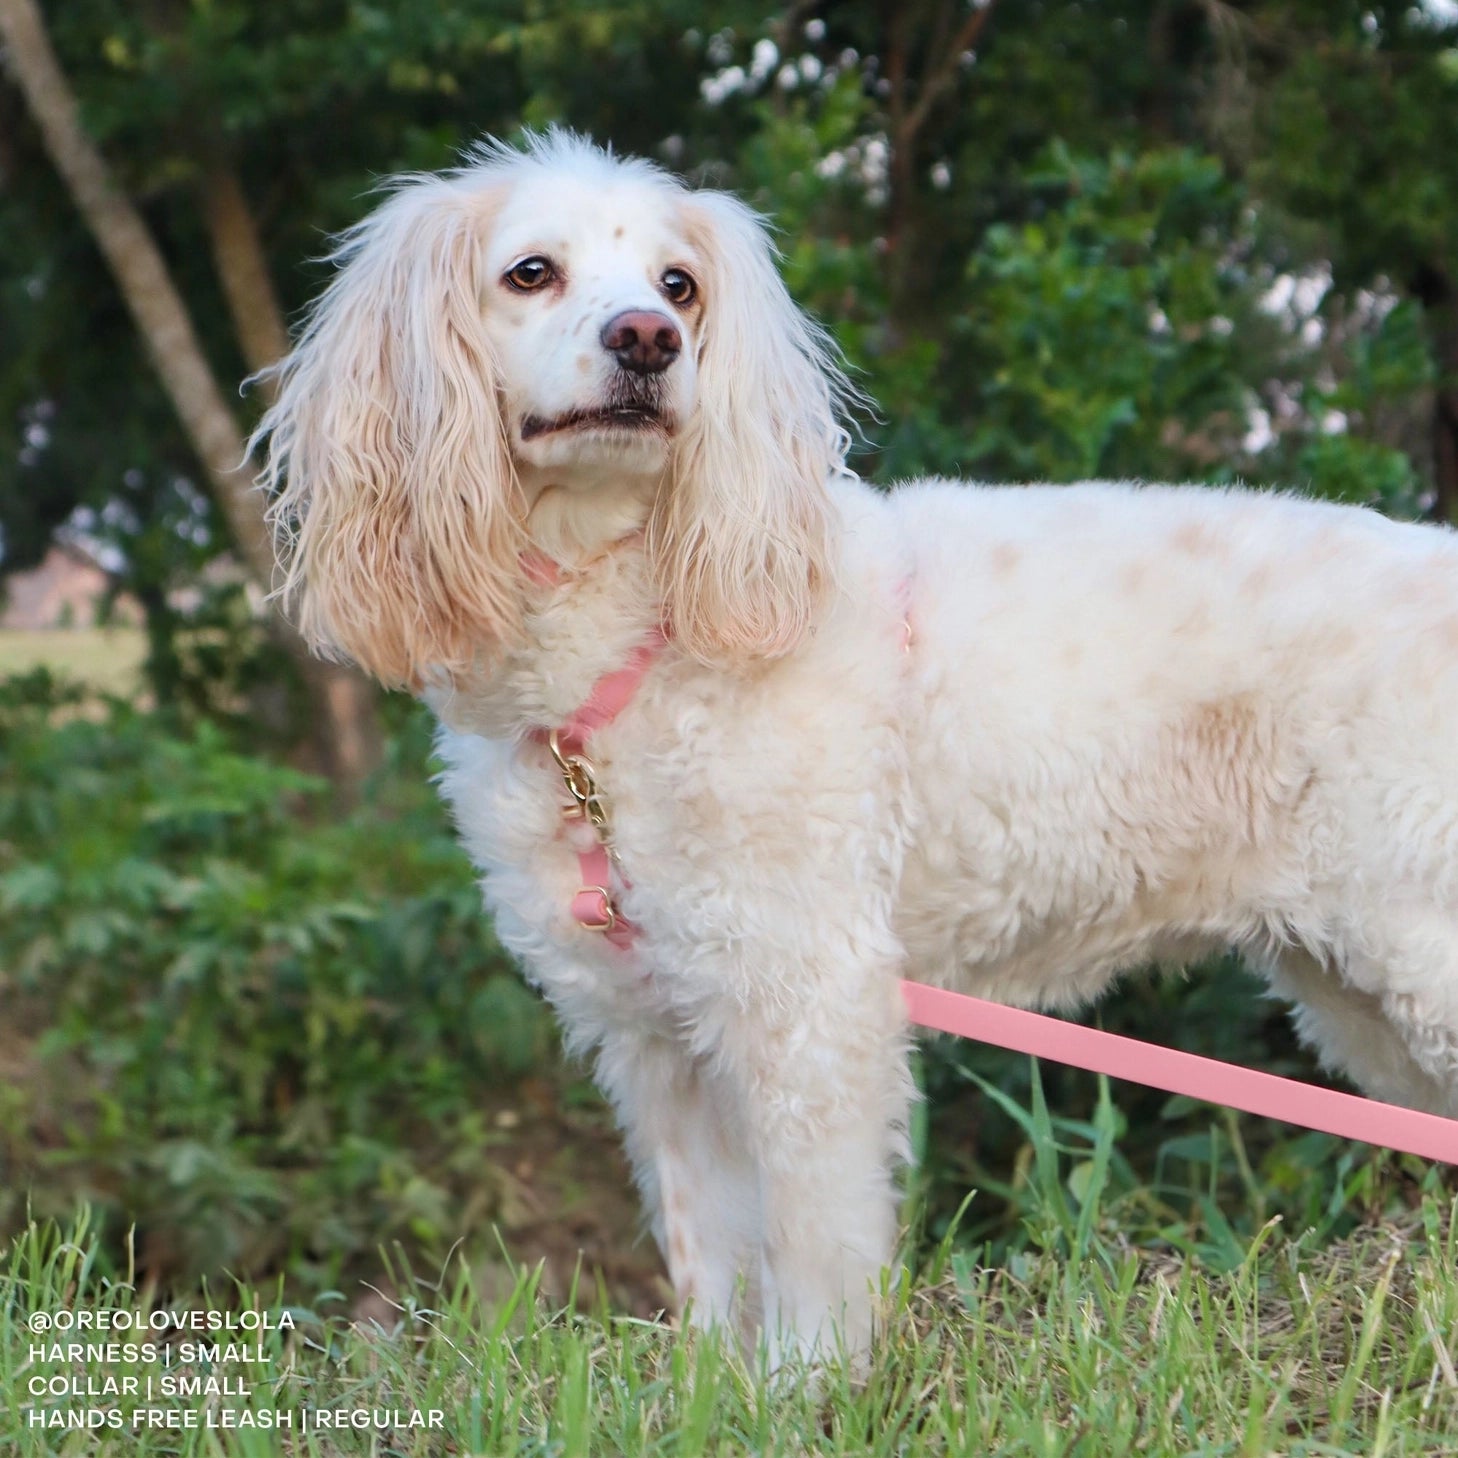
{"x": 1347, "y": 1349}
{"x": 176, "y": 918}
{"x": 106, "y": 659}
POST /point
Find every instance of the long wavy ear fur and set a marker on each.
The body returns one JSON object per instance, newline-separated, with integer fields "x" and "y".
{"x": 395, "y": 512}
{"x": 739, "y": 537}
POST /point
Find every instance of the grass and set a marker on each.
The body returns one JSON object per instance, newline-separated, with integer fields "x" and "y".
{"x": 1090, "y": 1350}
{"x": 1346, "y": 1351}
{"x": 107, "y": 660}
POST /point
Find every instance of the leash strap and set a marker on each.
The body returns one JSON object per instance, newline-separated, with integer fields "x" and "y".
{"x": 1208, "y": 1079}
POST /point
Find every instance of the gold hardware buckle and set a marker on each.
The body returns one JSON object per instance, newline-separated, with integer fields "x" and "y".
{"x": 609, "y": 911}
{"x": 579, "y": 775}
{"x": 586, "y": 801}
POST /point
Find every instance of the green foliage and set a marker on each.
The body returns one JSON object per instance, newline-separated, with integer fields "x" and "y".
{"x": 1112, "y": 322}
{"x": 1352, "y": 128}
{"x": 1061, "y": 280}
{"x": 1382, "y": 369}
{"x": 257, "y": 1035}
{"x": 1052, "y": 1169}
{"x": 1105, "y": 332}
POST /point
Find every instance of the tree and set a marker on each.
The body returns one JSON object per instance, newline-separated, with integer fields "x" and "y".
{"x": 342, "y": 702}
{"x": 1346, "y": 115}
{"x": 952, "y": 183}
{"x": 241, "y": 134}
{"x": 1064, "y": 267}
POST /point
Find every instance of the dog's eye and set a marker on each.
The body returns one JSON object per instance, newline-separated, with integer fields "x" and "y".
{"x": 678, "y": 287}
{"x": 531, "y": 273}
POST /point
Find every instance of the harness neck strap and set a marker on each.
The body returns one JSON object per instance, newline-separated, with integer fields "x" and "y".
{"x": 610, "y": 695}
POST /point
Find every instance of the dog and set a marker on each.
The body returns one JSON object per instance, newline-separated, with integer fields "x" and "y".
{"x": 737, "y": 741}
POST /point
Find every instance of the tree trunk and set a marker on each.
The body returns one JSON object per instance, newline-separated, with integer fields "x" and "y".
{"x": 906, "y": 118}
{"x": 1445, "y": 414}
{"x": 351, "y": 723}
{"x": 243, "y": 270}
{"x": 142, "y": 276}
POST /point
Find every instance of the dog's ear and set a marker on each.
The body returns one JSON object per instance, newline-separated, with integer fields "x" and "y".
{"x": 739, "y": 536}
{"x": 395, "y": 512}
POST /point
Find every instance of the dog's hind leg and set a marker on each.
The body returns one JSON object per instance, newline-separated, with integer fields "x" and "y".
{"x": 1374, "y": 1039}
{"x": 1428, "y": 1024}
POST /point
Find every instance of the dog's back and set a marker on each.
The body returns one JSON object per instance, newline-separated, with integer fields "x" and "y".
{"x": 1148, "y": 722}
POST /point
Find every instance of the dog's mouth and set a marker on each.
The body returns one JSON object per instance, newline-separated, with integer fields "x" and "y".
{"x": 635, "y": 417}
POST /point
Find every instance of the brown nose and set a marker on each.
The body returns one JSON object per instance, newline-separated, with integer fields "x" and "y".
{"x": 643, "y": 340}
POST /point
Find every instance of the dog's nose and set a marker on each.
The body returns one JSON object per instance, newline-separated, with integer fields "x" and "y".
{"x": 643, "y": 340}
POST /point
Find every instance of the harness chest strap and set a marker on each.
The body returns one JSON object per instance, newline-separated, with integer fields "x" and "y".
{"x": 593, "y": 905}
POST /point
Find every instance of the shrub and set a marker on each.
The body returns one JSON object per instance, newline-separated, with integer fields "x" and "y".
{"x": 245, "y": 1026}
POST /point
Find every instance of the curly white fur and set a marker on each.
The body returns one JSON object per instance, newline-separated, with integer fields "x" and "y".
{"x": 1133, "y": 723}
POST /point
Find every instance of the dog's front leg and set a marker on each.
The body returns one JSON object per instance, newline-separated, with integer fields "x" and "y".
{"x": 822, "y": 1079}
{"x": 699, "y": 1181}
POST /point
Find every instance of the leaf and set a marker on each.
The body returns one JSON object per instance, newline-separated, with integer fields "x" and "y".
{"x": 30, "y": 887}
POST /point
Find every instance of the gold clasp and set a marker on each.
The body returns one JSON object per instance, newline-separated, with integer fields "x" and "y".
{"x": 596, "y": 810}
{"x": 579, "y": 775}
{"x": 586, "y": 801}
{"x": 580, "y": 778}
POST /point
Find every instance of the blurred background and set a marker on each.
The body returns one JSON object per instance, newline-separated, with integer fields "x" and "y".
{"x": 250, "y": 1012}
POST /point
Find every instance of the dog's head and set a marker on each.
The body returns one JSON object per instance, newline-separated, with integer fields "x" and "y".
{"x": 593, "y": 311}
{"x": 549, "y": 322}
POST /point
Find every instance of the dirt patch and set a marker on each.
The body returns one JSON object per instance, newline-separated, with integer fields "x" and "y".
{"x": 569, "y": 1202}
{"x": 554, "y": 1192}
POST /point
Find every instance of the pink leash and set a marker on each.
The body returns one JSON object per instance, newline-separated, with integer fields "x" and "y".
{"x": 1209, "y": 1079}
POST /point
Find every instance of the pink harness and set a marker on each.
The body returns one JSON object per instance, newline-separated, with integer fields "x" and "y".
{"x": 595, "y": 909}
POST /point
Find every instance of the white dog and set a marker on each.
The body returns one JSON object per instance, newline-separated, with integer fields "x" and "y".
{"x": 556, "y": 451}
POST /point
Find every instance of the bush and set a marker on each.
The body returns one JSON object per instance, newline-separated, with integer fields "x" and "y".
{"x": 247, "y": 1027}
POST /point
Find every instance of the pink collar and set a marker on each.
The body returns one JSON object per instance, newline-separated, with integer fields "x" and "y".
{"x": 545, "y": 571}
{"x": 540, "y": 568}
